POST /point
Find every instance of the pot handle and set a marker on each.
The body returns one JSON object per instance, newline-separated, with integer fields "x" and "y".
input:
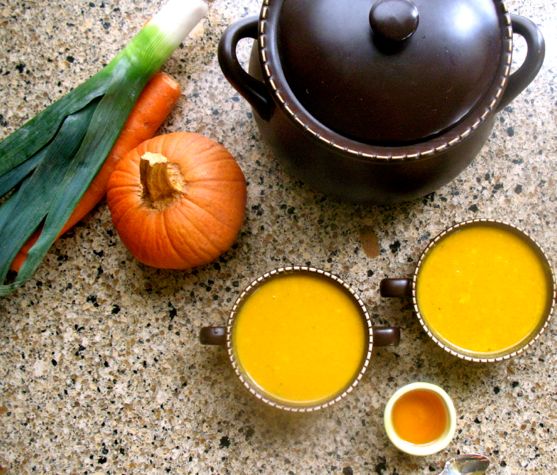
{"x": 253, "y": 90}
{"x": 532, "y": 63}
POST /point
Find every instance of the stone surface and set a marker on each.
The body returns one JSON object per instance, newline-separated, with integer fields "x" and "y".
{"x": 100, "y": 367}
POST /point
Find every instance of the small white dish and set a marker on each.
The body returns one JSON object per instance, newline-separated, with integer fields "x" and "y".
{"x": 427, "y": 448}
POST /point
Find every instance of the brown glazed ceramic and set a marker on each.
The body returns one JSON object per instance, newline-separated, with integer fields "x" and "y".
{"x": 407, "y": 288}
{"x": 379, "y": 101}
{"x": 377, "y": 336}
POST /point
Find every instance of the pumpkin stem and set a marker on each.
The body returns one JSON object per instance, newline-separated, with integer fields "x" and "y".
{"x": 160, "y": 178}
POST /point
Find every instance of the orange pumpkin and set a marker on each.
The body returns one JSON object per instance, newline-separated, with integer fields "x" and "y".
{"x": 177, "y": 200}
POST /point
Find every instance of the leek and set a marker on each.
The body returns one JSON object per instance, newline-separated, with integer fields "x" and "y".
{"x": 47, "y": 165}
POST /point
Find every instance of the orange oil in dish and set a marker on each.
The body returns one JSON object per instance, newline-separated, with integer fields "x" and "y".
{"x": 420, "y": 416}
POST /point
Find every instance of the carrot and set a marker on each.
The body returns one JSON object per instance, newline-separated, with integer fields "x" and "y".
{"x": 151, "y": 109}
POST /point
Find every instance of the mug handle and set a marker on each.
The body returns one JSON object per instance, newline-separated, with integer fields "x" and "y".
{"x": 253, "y": 90}
{"x": 386, "y": 336}
{"x": 396, "y": 288}
{"x": 532, "y": 63}
{"x": 213, "y": 336}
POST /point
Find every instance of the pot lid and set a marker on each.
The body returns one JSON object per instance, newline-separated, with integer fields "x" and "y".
{"x": 389, "y": 72}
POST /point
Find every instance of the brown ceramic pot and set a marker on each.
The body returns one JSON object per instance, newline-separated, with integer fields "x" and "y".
{"x": 379, "y": 101}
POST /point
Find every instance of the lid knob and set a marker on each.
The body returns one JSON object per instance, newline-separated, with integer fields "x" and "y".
{"x": 394, "y": 20}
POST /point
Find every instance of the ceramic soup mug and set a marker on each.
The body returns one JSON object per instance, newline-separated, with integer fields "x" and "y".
{"x": 299, "y": 338}
{"x": 482, "y": 290}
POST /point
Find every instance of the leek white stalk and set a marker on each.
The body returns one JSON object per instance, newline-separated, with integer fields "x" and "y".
{"x": 177, "y": 18}
{"x": 48, "y": 164}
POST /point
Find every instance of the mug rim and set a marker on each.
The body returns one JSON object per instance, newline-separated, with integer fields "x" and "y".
{"x": 251, "y": 386}
{"x": 546, "y": 317}
{"x": 429, "y": 448}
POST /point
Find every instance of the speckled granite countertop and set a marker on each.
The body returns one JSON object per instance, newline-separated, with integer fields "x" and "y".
{"x": 100, "y": 367}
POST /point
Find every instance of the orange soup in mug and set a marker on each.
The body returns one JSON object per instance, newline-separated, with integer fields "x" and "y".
{"x": 301, "y": 338}
{"x": 483, "y": 290}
